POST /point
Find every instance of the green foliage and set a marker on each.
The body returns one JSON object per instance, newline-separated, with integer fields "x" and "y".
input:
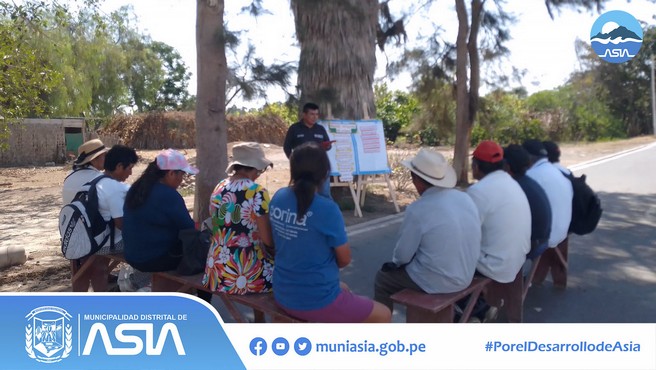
{"x": 249, "y": 78}
{"x": 86, "y": 63}
{"x": 286, "y": 112}
{"x": 505, "y": 118}
{"x": 173, "y": 93}
{"x": 395, "y": 108}
{"x": 624, "y": 89}
{"x": 436, "y": 119}
{"x": 25, "y": 76}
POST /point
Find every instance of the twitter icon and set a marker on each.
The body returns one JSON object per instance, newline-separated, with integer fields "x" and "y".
{"x": 302, "y": 346}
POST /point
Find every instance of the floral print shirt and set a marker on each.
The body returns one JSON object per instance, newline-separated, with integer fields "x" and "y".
{"x": 237, "y": 262}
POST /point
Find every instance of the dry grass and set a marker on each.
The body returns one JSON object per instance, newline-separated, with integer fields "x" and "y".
{"x": 400, "y": 175}
{"x": 178, "y": 130}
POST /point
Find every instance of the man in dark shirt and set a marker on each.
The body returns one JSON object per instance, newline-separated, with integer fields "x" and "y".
{"x": 307, "y": 130}
{"x": 517, "y": 162}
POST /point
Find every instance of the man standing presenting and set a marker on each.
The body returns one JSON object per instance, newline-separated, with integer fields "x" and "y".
{"x": 307, "y": 130}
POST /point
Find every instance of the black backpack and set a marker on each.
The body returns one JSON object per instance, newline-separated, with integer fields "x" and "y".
{"x": 586, "y": 206}
{"x": 81, "y": 226}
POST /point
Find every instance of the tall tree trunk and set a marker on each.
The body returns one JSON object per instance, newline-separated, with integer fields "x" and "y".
{"x": 211, "y": 128}
{"x": 461, "y": 149}
{"x": 467, "y": 60}
{"x": 338, "y": 55}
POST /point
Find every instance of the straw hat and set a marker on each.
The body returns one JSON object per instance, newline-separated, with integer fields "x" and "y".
{"x": 249, "y": 155}
{"x": 89, "y": 151}
{"x": 432, "y": 167}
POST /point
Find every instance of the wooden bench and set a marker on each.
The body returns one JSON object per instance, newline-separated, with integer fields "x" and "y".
{"x": 554, "y": 260}
{"x": 509, "y": 297}
{"x": 439, "y": 308}
{"x": 79, "y": 270}
{"x": 262, "y": 304}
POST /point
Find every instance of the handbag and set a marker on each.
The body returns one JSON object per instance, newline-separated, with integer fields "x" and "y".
{"x": 195, "y": 246}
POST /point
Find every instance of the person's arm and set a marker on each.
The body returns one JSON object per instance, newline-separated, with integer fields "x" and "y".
{"x": 118, "y": 223}
{"x": 326, "y": 143}
{"x": 289, "y": 141}
{"x": 409, "y": 240}
{"x": 264, "y": 230}
{"x": 177, "y": 210}
{"x": 343, "y": 255}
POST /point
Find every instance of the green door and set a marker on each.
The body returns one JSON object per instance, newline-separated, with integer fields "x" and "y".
{"x": 73, "y": 138}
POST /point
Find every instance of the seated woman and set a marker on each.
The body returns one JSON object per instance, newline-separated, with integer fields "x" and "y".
{"x": 311, "y": 247}
{"x": 238, "y": 260}
{"x": 154, "y": 214}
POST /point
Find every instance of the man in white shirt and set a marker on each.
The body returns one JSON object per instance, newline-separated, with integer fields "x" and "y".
{"x": 118, "y": 163}
{"x": 553, "y": 155}
{"x": 439, "y": 241}
{"x": 111, "y": 192}
{"x": 558, "y": 188}
{"x": 505, "y": 217}
{"x": 89, "y": 164}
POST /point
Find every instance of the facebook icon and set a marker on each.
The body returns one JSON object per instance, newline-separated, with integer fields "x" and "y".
{"x": 258, "y": 346}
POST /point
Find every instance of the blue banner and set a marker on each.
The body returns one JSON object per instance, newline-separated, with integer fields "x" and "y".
{"x": 106, "y": 331}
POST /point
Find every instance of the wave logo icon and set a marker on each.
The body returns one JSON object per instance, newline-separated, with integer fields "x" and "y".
{"x": 616, "y": 36}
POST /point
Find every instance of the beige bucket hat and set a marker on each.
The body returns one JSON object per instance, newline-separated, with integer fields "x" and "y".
{"x": 249, "y": 155}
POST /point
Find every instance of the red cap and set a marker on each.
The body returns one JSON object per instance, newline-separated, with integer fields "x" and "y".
{"x": 488, "y": 151}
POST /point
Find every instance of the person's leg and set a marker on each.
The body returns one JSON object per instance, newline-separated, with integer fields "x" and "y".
{"x": 79, "y": 283}
{"x": 379, "y": 314}
{"x": 98, "y": 272}
{"x": 390, "y": 281}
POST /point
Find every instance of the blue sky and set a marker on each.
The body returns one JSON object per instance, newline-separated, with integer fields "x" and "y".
{"x": 543, "y": 47}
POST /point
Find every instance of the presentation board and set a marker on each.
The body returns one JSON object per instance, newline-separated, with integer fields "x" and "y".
{"x": 359, "y": 148}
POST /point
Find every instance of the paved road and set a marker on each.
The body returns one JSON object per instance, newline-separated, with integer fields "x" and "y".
{"x": 612, "y": 274}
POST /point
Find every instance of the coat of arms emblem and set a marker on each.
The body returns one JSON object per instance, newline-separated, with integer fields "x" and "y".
{"x": 48, "y": 334}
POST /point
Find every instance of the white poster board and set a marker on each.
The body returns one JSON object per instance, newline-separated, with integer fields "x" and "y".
{"x": 359, "y": 148}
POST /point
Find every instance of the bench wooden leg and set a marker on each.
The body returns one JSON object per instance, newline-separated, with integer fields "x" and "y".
{"x": 417, "y": 315}
{"x": 554, "y": 260}
{"x": 528, "y": 280}
{"x": 559, "y": 267}
{"x": 511, "y": 294}
{"x": 234, "y": 312}
{"x": 258, "y": 316}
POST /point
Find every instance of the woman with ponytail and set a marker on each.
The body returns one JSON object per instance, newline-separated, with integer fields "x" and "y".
{"x": 154, "y": 214}
{"x": 311, "y": 246}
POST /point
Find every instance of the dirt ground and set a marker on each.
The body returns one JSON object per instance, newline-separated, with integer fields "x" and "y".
{"x": 30, "y": 199}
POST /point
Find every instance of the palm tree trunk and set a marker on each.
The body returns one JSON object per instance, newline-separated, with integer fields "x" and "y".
{"x": 338, "y": 55}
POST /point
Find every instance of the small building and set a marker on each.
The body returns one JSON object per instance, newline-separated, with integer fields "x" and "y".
{"x": 37, "y": 141}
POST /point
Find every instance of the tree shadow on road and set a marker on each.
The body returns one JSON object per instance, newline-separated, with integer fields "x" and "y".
{"x": 612, "y": 275}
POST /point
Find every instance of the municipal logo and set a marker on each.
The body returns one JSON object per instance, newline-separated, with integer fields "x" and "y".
{"x": 616, "y": 36}
{"x": 48, "y": 334}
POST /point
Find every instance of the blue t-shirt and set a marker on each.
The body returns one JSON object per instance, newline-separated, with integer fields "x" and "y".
{"x": 540, "y": 208}
{"x": 151, "y": 231}
{"x": 305, "y": 274}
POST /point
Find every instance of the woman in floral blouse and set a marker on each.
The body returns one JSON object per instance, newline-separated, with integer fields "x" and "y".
{"x": 240, "y": 259}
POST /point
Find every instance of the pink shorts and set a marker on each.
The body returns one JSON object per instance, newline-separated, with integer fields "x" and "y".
{"x": 346, "y": 308}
